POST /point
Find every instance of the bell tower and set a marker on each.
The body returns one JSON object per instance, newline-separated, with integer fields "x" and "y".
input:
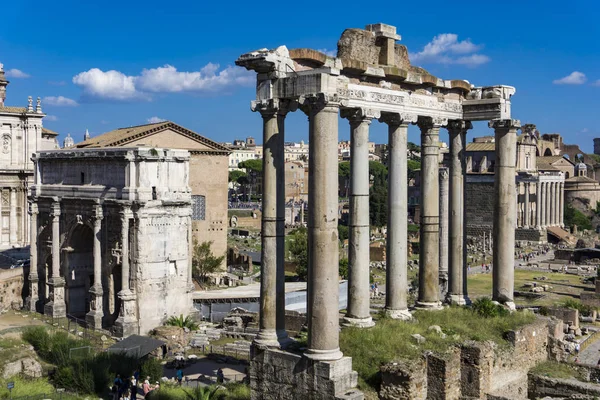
{"x": 3, "y": 84}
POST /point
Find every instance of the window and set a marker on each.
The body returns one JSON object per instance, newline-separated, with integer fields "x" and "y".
{"x": 198, "y": 208}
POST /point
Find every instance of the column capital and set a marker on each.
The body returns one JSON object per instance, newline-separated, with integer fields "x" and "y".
{"x": 55, "y": 209}
{"x": 269, "y": 107}
{"x": 431, "y": 122}
{"x": 459, "y": 126}
{"x": 360, "y": 114}
{"x": 319, "y": 102}
{"x": 33, "y": 209}
{"x": 398, "y": 118}
{"x": 98, "y": 214}
{"x": 504, "y": 124}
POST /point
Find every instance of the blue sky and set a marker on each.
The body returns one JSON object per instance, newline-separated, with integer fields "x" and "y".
{"x": 175, "y": 61}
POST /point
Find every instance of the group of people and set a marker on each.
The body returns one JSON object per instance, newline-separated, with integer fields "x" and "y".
{"x": 127, "y": 389}
{"x": 374, "y": 290}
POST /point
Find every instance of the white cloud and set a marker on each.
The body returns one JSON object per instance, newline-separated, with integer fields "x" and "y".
{"x": 115, "y": 85}
{"x": 585, "y": 130}
{"x": 155, "y": 120}
{"x": 59, "y": 101}
{"x": 597, "y": 83}
{"x": 445, "y": 48}
{"x": 16, "y": 73}
{"x": 574, "y": 78}
{"x": 330, "y": 53}
{"x": 51, "y": 118}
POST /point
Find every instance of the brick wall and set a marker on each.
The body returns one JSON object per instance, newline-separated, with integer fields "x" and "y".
{"x": 479, "y": 207}
{"x": 11, "y": 288}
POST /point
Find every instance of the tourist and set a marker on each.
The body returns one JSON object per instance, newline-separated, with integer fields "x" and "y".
{"x": 133, "y": 386}
{"x": 220, "y": 376}
{"x": 179, "y": 375}
{"x": 146, "y": 387}
{"x": 376, "y": 289}
{"x": 126, "y": 395}
{"x": 118, "y": 382}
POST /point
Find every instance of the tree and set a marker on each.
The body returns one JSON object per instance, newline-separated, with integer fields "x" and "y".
{"x": 235, "y": 175}
{"x": 254, "y": 169}
{"x": 573, "y": 216}
{"x": 344, "y": 178}
{"x": 378, "y": 194}
{"x": 298, "y": 247}
{"x": 413, "y": 166}
{"x": 204, "y": 262}
{"x": 343, "y": 268}
{"x": 182, "y": 322}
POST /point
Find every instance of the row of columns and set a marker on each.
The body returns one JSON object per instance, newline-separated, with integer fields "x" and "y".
{"x": 56, "y": 306}
{"x": 323, "y": 254}
{"x": 549, "y": 204}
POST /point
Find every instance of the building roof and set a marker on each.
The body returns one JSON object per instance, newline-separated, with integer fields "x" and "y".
{"x": 46, "y": 131}
{"x": 123, "y": 136}
{"x": 15, "y": 110}
{"x": 136, "y": 346}
{"x": 580, "y": 179}
{"x": 481, "y": 146}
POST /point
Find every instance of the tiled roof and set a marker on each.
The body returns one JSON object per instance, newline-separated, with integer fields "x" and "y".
{"x": 122, "y": 136}
{"x": 17, "y": 110}
{"x": 545, "y": 163}
{"x": 46, "y": 131}
{"x": 481, "y": 146}
{"x": 581, "y": 179}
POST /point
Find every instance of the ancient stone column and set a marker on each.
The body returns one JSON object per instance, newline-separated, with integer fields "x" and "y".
{"x": 504, "y": 212}
{"x": 526, "y": 203}
{"x": 430, "y": 207}
{"x": 537, "y": 204}
{"x": 542, "y": 203}
{"x": 457, "y": 239}
{"x": 444, "y": 189}
{"x": 13, "y": 216}
{"x": 358, "y": 311}
{"x": 396, "y": 305}
{"x": 33, "y": 260}
{"x": 94, "y": 316}
{"x": 556, "y": 201}
{"x": 561, "y": 206}
{"x": 56, "y": 307}
{"x": 323, "y": 243}
{"x": 272, "y": 153}
{"x": 126, "y": 323}
{"x": 548, "y": 197}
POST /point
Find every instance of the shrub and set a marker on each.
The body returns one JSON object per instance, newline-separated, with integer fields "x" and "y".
{"x": 576, "y": 305}
{"x": 343, "y": 268}
{"x": 38, "y": 337}
{"x": 485, "y": 307}
{"x": 152, "y": 368}
{"x": 183, "y": 322}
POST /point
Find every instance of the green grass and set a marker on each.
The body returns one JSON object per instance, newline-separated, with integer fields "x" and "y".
{"x": 390, "y": 340}
{"x": 232, "y": 391}
{"x": 25, "y": 387}
{"x": 553, "y": 369}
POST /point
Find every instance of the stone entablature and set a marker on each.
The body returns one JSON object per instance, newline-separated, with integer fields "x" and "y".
{"x": 114, "y": 246}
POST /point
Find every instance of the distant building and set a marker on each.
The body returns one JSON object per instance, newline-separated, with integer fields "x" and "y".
{"x": 22, "y": 134}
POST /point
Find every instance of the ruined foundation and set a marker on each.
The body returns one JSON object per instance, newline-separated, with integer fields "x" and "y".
{"x": 276, "y": 374}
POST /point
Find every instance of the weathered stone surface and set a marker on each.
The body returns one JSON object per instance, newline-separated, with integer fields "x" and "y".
{"x": 418, "y": 338}
{"x": 28, "y": 366}
{"x": 404, "y": 380}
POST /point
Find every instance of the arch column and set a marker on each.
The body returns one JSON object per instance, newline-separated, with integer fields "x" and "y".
{"x": 33, "y": 261}
{"x": 396, "y": 304}
{"x": 504, "y": 212}
{"x": 56, "y": 307}
{"x": 457, "y": 285}
{"x": 94, "y": 316}
{"x": 126, "y": 324}
{"x": 429, "y": 261}
{"x": 323, "y": 242}
{"x": 358, "y": 313}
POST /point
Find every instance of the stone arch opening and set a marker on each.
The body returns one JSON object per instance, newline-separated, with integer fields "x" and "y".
{"x": 79, "y": 270}
{"x": 547, "y": 152}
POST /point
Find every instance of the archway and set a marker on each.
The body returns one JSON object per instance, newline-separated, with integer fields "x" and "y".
{"x": 79, "y": 270}
{"x": 547, "y": 152}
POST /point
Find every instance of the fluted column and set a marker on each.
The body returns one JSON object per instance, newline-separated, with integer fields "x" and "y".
{"x": 396, "y": 305}
{"x": 548, "y": 198}
{"x": 94, "y": 316}
{"x": 444, "y": 218}
{"x": 13, "y": 216}
{"x": 561, "y": 195}
{"x": 457, "y": 293}
{"x": 526, "y": 204}
{"x": 358, "y": 310}
{"x": 323, "y": 255}
{"x": 430, "y": 202}
{"x": 542, "y": 204}
{"x": 504, "y": 212}
{"x": 556, "y": 201}
{"x": 56, "y": 307}
{"x": 33, "y": 260}
{"x": 126, "y": 324}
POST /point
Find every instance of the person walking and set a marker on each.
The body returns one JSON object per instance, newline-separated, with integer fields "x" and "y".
{"x": 179, "y": 375}
{"x": 220, "y": 376}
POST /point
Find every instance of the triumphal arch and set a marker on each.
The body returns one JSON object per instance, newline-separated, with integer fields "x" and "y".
{"x": 371, "y": 78}
{"x": 110, "y": 236}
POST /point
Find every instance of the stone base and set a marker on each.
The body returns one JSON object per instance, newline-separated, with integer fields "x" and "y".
{"x": 458, "y": 299}
{"x": 403, "y": 315}
{"x": 358, "y": 322}
{"x": 432, "y": 306}
{"x": 55, "y": 309}
{"x": 127, "y": 323}
{"x": 266, "y": 339}
{"x": 277, "y": 374}
{"x": 93, "y": 319}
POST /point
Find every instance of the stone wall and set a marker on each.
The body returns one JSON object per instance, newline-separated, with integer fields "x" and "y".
{"x": 530, "y": 235}
{"x": 474, "y": 370}
{"x": 541, "y": 386}
{"x": 276, "y": 374}
{"x": 11, "y": 287}
{"x": 566, "y": 315}
{"x": 479, "y": 207}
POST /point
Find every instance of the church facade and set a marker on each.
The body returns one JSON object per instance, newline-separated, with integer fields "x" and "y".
{"x": 21, "y": 135}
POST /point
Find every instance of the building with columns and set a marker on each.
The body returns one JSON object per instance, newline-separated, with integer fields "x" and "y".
{"x": 22, "y": 134}
{"x": 371, "y": 79}
{"x": 539, "y": 184}
{"x": 110, "y": 237}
